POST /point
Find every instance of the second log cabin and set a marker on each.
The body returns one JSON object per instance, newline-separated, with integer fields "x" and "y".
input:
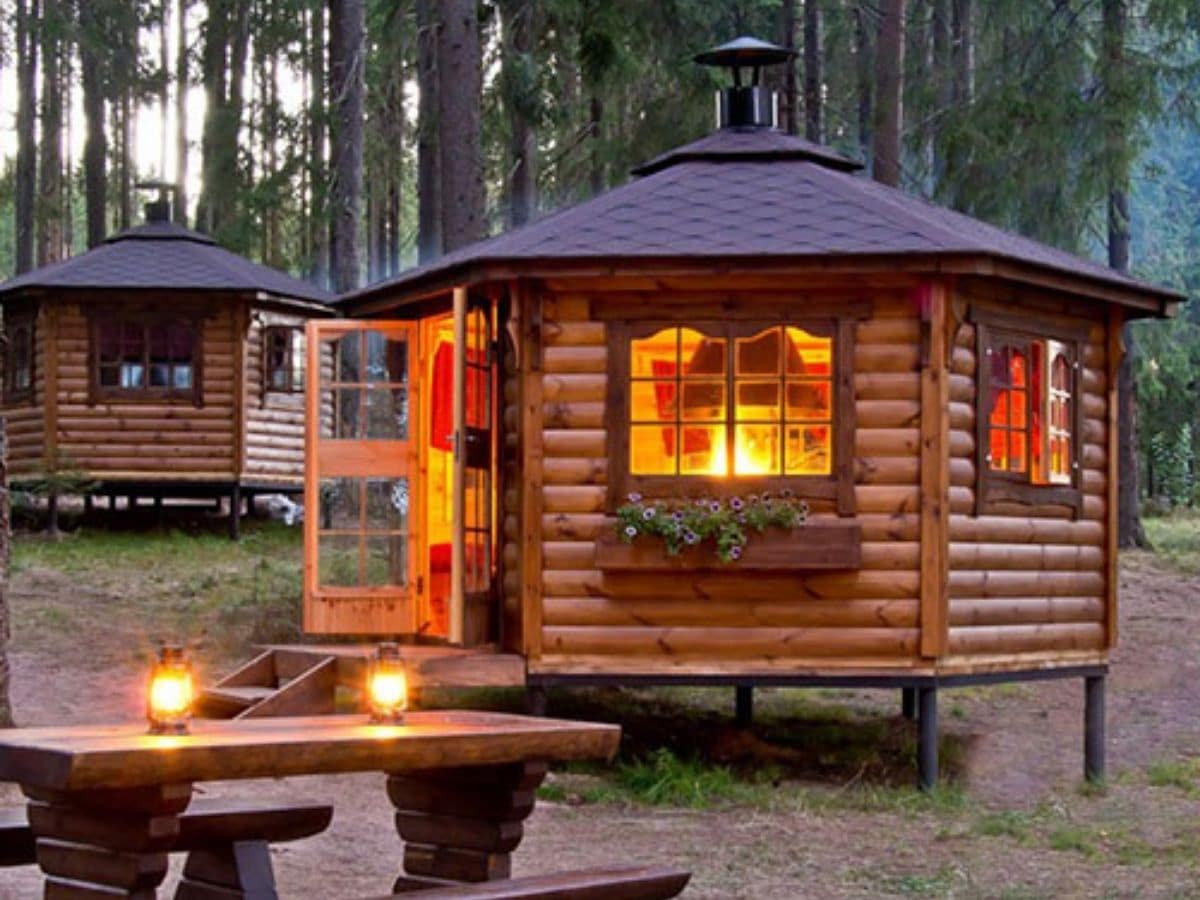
{"x": 158, "y": 364}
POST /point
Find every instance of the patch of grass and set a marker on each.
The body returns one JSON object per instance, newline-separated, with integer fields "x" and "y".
{"x": 1176, "y": 540}
{"x": 1183, "y": 774}
{"x": 1013, "y": 823}
{"x": 914, "y": 884}
{"x": 664, "y": 779}
{"x": 1072, "y": 839}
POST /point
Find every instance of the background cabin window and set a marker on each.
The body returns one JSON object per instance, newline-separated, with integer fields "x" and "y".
{"x": 145, "y": 358}
{"x": 283, "y": 349}
{"x": 1031, "y": 407}
{"x": 731, "y": 400}
{"x": 18, "y": 374}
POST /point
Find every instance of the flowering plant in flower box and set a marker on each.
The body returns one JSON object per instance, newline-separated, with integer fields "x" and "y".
{"x": 726, "y": 523}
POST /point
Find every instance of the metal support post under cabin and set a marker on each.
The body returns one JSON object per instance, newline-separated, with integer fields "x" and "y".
{"x": 743, "y": 702}
{"x": 927, "y": 738}
{"x": 458, "y": 547}
{"x": 235, "y": 511}
{"x": 1093, "y": 728}
{"x": 535, "y": 700}
{"x": 908, "y": 703}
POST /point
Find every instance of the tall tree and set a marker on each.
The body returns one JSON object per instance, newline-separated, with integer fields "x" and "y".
{"x": 1117, "y": 129}
{"x": 790, "y": 100}
{"x": 183, "y": 83}
{"x": 347, "y": 26}
{"x": 429, "y": 164}
{"x": 318, "y": 129}
{"x": 889, "y": 114}
{"x": 223, "y": 70}
{"x": 27, "y": 16}
{"x": 50, "y": 180}
{"x": 92, "y": 45}
{"x": 520, "y": 93}
{"x": 865, "y": 75}
{"x": 459, "y": 63}
{"x": 812, "y": 71}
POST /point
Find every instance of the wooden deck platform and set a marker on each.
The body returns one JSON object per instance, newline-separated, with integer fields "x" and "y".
{"x": 428, "y": 665}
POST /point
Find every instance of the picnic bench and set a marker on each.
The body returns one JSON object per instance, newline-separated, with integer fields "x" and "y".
{"x": 226, "y": 842}
{"x": 108, "y": 803}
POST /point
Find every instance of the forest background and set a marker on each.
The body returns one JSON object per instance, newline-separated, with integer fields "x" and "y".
{"x": 343, "y": 140}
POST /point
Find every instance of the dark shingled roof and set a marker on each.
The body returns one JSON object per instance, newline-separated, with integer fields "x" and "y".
{"x": 163, "y": 255}
{"x": 753, "y": 194}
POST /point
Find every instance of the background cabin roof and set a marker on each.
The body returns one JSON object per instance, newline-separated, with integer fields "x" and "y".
{"x": 753, "y": 195}
{"x": 165, "y": 256}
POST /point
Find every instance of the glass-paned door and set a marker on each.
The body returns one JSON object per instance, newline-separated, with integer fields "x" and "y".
{"x": 475, "y": 464}
{"x": 360, "y": 479}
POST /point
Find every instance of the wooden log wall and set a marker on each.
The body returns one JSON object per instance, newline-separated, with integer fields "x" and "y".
{"x": 175, "y": 440}
{"x": 1028, "y": 579}
{"x": 274, "y": 420}
{"x": 26, "y": 422}
{"x": 612, "y": 622}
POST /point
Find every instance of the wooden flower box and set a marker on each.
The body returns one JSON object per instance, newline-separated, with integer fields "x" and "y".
{"x": 813, "y": 546}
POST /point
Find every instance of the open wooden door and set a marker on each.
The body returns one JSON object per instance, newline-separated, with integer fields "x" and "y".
{"x": 474, "y": 607}
{"x": 360, "y": 478}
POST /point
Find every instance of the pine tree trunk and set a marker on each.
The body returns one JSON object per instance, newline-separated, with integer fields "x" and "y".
{"x": 1113, "y": 74}
{"x": 864, "y": 70}
{"x": 429, "y": 168}
{"x": 318, "y": 176}
{"x": 595, "y": 142}
{"x": 95, "y": 145}
{"x": 963, "y": 52}
{"x": 50, "y": 212}
{"x": 460, "y": 84}
{"x": 182, "y": 83}
{"x": 812, "y": 71}
{"x": 28, "y": 15}
{"x": 943, "y": 79}
{"x": 347, "y": 27}
{"x": 789, "y": 101}
{"x": 125, "y": 170}
{"x": 889, "y": 114}
{"x": 517, "y": 23}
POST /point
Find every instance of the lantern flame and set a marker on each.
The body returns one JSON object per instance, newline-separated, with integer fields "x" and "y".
{"x": 171, "y": 692}
{"x": 387, "y": 686}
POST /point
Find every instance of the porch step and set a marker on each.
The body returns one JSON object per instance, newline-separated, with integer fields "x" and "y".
{"x": 299, "y": 679}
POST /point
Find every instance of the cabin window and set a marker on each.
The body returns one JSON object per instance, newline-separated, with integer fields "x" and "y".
{"x": 722, "y": 407}
{"x": 1029, "y": 424}
{"x": 145, "y": 359}
{"x": 283, "y": 353}
{"x": 18, "y": 373}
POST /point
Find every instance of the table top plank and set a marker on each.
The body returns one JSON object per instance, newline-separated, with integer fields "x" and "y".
{"x": 88, "y": 756}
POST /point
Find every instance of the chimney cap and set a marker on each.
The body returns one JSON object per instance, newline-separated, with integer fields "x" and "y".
{"x": 744, "y": 51}
{"x": 158, "y": 211}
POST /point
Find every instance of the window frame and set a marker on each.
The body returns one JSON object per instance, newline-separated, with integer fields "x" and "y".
{"x": 99, "y": 393}
{"x": 837, "y": 486}
{"x": 293, "y": 354}
{"x": 23, "y": 323}
{"x": 999, "y": 328}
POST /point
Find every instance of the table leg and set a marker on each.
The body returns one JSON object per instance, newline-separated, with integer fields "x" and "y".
{"x": 105, "y": 843}
{"x": 462, "y": 824}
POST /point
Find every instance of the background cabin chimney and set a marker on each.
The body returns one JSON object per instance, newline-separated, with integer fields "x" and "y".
{"x": 158, "y": 211}
{"x": 752, "y": 105}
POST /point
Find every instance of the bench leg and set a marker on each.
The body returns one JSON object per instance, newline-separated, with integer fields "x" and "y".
{"x": 93, "y": 844}
{"x": 462, "y": 824}
{"x": 241, "y": 871}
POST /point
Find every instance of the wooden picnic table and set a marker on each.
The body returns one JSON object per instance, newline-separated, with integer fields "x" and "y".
{"x": 107, "y": 798}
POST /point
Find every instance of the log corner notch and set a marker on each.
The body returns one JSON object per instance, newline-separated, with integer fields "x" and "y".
{"x": 933, "y": 304}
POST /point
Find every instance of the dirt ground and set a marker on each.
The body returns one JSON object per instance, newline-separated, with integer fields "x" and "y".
{"x": 1017, "y": 825}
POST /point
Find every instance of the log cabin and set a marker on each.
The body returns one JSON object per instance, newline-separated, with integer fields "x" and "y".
{"x": 750, "y": 314}
{"x": 158, "y": 364}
